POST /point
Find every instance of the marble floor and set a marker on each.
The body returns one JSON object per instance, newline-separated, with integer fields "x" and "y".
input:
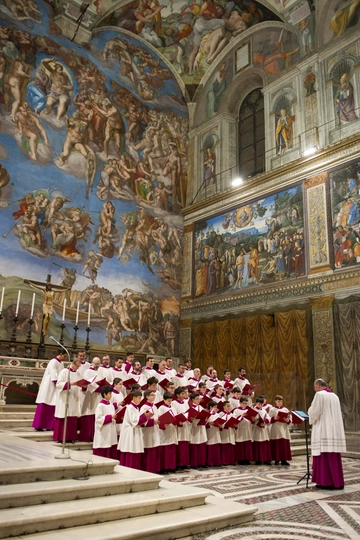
{"x": 286, "y": 510}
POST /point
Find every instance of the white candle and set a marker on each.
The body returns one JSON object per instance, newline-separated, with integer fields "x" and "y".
{"x": 64, "y": 309}
{"x": 32, "y": 306}
{"x": 89, "y": 315}
{"x": 77, "y": 313}
{"x": 2, "y": 299}
{"x": 18, "y": 304}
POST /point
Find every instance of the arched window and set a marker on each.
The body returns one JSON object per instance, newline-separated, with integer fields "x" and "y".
{"x": 252, "y": 135}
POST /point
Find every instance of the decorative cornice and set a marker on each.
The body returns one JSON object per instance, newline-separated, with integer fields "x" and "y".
{"x": 316, "y": 180}
{"x": 186, "y": 323}
{"x": 334, "y": 154}
{"x": 296, "y": 290}
{"x": 322, "y": 302}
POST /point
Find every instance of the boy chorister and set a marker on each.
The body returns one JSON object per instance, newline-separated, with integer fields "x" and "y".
{"x": 180, "y": 405}
{"x": 261, "y": 441}
{"x": 198, "y": 437}
{"x": 213, "y": 443}
{"x": 105, "y": 437}
{"x": 118, "y": 395}
{"x": 219, "y": 396}
{"x": 235, "y": 398}
{"x": 151, "y": 457}
{"x": 243, "y": 435}
{"x": 227, "y": 437}
{"x": 279, "y": 433}
{"x": 168, "y": 438}
{"x": 131, "y": 442}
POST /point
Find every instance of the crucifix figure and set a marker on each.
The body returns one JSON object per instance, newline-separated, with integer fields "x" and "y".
{"x": 48, "y": 289}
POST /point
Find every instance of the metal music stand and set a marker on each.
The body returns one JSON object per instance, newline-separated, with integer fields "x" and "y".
{"x": 304, "y": 417}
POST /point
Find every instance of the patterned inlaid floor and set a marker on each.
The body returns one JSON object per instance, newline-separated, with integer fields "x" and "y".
{"x": 287, "y": 510}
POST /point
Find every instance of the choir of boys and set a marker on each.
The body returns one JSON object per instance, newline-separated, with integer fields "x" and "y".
{"x": 146, "y": 419}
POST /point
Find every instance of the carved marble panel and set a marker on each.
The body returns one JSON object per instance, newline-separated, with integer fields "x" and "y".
{"x": 319, "y": 255}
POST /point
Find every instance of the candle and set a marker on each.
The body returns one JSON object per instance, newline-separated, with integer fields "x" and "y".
{"x": 32, "y": 306}
{"x": 18, "y": 304}
{"x": 77, "y": 312}
{"x": 89, "y": 315}
{"x": 64, "y": 309}
{"x": 2, "y": 299}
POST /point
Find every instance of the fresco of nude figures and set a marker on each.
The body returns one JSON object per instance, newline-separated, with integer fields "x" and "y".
{"x": 252, "y": 245}
{"x": 93, "y": 152}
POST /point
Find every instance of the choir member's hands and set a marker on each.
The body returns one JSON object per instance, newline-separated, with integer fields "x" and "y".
{"x": 149, "y": 414}
{"x": 156, "y": 422}
{"x": 113, "y": 416}
{"x": 72, "y": 383}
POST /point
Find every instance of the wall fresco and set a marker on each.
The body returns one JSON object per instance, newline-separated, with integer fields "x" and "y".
{"x": 93, "y": 151}
{"x": 256, "y": 244}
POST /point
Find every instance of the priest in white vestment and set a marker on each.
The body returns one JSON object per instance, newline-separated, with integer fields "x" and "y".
{"x": 327, "y": 438}
{"x": 46, "y": 398}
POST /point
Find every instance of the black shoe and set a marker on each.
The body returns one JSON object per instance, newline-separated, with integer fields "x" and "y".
{"x": 277, "y": 462}
{"x": 284, "y": 463}
{"x": 246, "y": 462}
{"x": 39, "y": 429}
{"x": 341, "y": 487}
{"x": 267, "y": 462}
{"x": 258, "y": 462}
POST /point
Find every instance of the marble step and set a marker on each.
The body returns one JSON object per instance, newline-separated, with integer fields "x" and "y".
{"x": 9, "y": 415}
{"x": 124, "y": 480}
{"x": 298, "y": 442}
{"x": 18, "y": 408}
{"x": 75, "y": 513}
{"x": 215, "y": 514}
{"x": 299, "y": 450}
{"x": 53, "y": 469}
{"x": 14, "y": 423}
{"x": 32, "y": 435}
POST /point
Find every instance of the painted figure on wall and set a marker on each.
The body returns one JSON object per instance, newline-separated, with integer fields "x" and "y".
{"x": 345, "y": 199}
{"x": 256, "y": 244}
{"x": 309, "y": 82}
{"x": 209, "y": 167}
{"x": 344, "y": 99}
{"x": 284, "y": 132}
{"x": 346, "y": 17}
{"x": 215, "y": 93}
{"x": 190, "y": 35}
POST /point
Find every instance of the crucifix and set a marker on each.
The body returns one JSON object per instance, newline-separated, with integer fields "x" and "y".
{"x": 48, "y": 289}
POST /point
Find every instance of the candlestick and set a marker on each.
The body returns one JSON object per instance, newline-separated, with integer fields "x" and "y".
{"x": 89, "y": 315}
{"x": 64, "y": 310}
{"x": 62, "y": 326}
{"x": 74, "y": 343}
{"x": 2, "y": 299}
{"x": 12, "y": 344}
{"x": 17, "y": 304}
{"x": 87, "y": 345}
{"x": 77, "y": 313}
{"x": 28, "y": 346}
{"x": 32, "y": 306}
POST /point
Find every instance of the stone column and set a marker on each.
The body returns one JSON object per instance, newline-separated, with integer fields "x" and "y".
{"x": 323, "y": 332}
{"x": 317, "y": 218}
{"x": 185, "y": 346}
{"x": 186, "y": 280}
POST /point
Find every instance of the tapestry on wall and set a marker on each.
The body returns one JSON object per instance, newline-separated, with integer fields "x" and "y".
{"x": 93, "y": 150}
{"x": 256, "y": 244}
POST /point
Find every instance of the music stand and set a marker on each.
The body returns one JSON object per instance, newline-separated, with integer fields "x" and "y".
{"x": 300, "y": 417}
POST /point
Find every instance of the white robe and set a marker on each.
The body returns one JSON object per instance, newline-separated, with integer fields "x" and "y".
{"x": 105, "y": 433}
{"x": 183, "y": 432}
{"x": 180, "y": 380}
{"x": 74, "y": 395}
{"x": 105, "y": 373}
{"x": 244, "y": 430}
{"x": 131, "y": 435}
{"x": 227, "y": 435}
{"x": 327, "y": 434}
{"x": 148, "y": 372}
{"x": 279, "y": 430}
{"x": 150, "y": 430}
{"x": 261, "y": 434}
{"x": 92, "y": 398}
{"x": 169, "y": 434}
{"x": 47, "y": 391}
{"x": 84, "y": 366}
{"x": 197, "y": 433}
{"x": 212, "y": 432}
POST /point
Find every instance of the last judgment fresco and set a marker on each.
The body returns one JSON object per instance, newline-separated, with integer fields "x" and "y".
{"x": 93, "y": 150}
{"x": 252, "y": 245}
